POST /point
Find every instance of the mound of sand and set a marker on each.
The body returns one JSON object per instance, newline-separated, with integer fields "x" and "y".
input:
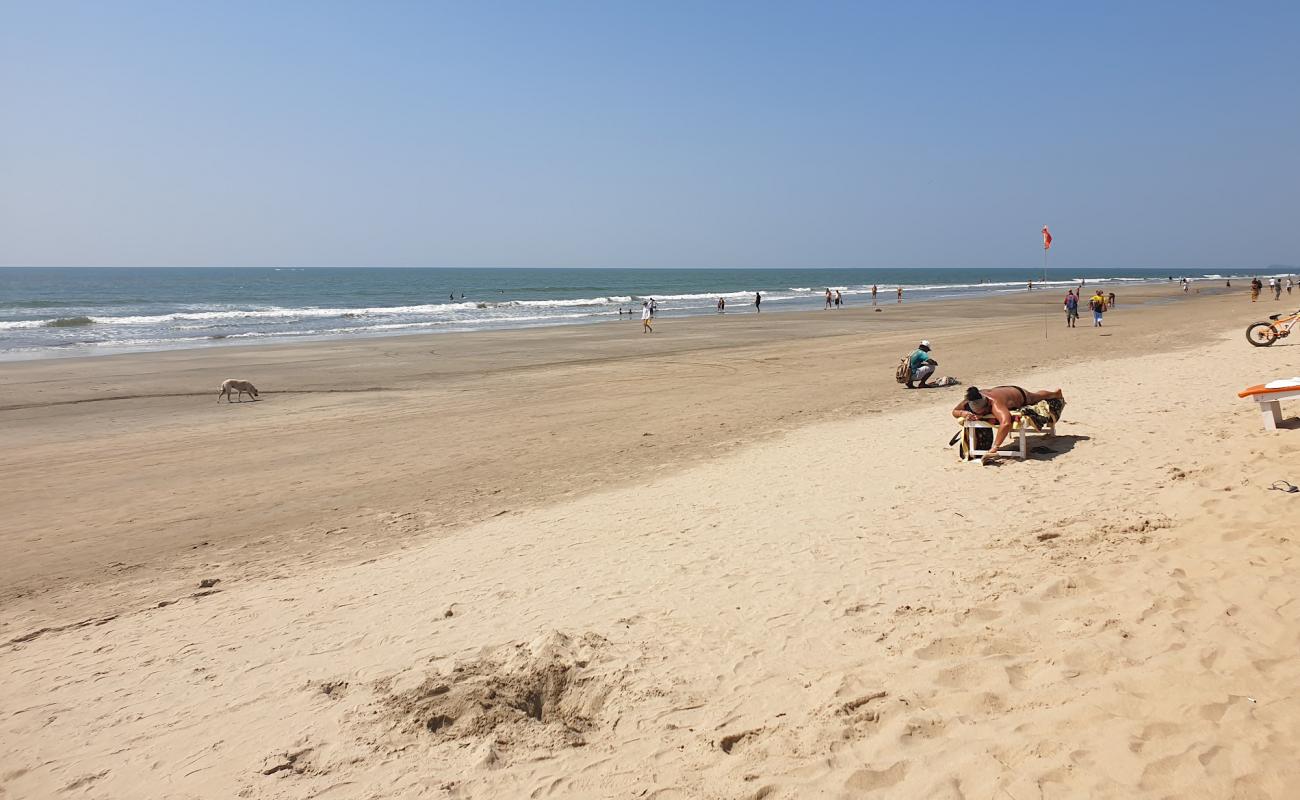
{"x": 544, "y": 693}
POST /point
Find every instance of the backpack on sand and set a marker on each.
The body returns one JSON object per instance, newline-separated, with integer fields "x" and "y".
{"x": 904, "y": 372}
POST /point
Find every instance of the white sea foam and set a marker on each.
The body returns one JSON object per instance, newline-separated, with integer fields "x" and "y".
{"x": 662, "y": 298}
{"x": 581, "y": 301}
{"x": 184, "y": 325}
{"x": 487, "y": 312}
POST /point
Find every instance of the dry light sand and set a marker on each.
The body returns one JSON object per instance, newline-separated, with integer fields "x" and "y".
{"x": 731, "y": 560}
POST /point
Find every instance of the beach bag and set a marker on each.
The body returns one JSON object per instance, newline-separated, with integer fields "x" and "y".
{"x": 904, "y": 372}
{"x": 983, "y": 441}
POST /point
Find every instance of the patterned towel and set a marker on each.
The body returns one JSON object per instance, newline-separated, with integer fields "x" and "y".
{"x": 1043, "y": 413}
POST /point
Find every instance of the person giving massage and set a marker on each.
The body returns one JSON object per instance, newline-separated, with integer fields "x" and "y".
{"x": 998, "y": 403}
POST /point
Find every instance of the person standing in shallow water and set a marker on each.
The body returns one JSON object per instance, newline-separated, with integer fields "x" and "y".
{"x": 758, "y": 302}
{"x": 873, "y": 294}
{"x": 839, "y": 299}
{"x": 900, "y": 294}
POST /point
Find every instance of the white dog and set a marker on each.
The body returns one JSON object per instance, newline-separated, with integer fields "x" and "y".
{"x": 231, "y": 385}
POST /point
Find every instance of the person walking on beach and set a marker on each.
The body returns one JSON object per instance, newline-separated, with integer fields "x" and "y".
{"x": 873, "y": 294}
{"x": 1071, "y": 308}
{"x": 646, "y": 318}
{"x": 758, "y": 303}
{"x": 1272, "y": 285}
{"x": 1277, "y": 289}
{"x": 1098, "y": 305}
{"x": 900, "y": 294}
{"x": 1255, "y": 286}
{"x": 828, "y": 300}
{"x": 839, "y": 300}
{"x": 1110, "y": 300}
{"x": 1288, "y": 286}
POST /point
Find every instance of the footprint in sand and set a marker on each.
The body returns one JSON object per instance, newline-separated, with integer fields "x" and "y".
{"x": 871, "y": 780}
{"x": 729, "y": 742}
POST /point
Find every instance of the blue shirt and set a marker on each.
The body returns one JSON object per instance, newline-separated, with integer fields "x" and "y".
{"x": 918, "y": 358}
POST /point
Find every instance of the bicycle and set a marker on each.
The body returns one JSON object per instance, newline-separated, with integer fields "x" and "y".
{"x": 1263, "y": 334}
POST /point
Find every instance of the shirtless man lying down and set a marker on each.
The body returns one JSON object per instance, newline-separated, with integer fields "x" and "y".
{"x": 998, "y": 403}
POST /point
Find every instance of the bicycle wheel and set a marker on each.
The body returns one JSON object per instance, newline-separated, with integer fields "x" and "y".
{"x": 1261, "y": 334}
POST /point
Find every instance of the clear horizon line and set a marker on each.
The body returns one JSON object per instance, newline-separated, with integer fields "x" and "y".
{"x": 1037, "y": 269}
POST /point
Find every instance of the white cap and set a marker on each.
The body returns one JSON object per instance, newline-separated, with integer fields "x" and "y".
{"x": 925, "y": 342}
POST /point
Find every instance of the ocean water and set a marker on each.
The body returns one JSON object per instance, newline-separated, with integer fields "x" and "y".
{"x": 87, "y": 311}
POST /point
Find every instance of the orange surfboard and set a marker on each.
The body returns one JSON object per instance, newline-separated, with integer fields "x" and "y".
{"x": 1262, "y": 389}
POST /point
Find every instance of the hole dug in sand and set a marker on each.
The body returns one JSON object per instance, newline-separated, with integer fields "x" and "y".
{"x": 546, "y": 692}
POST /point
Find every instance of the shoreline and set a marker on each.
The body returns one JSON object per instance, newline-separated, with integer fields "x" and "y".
{"x": 894, "y": 315}
{"x": 856, "y": 299}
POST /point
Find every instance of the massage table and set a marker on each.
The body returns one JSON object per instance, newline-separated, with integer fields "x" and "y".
{"x": 1021, "y": 427}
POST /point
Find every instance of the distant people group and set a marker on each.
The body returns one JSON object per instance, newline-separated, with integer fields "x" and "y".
{"x": 1098, "y": 304}
{"x": 1275, "y": 286}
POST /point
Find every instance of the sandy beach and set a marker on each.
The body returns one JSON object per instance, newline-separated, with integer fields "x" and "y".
{"x": 732, "y": 559}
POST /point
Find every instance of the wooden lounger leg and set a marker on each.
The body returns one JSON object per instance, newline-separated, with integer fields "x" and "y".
{"x": 1272, "y": 410}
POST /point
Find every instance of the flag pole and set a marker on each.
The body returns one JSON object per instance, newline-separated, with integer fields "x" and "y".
{"x": 1047, "y": 319}
{"x": 1047, "y": 245}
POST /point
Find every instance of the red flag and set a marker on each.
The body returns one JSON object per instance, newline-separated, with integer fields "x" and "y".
{"x": 1047, "y": 238}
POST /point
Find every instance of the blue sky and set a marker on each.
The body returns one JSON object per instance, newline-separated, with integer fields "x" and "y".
{"x": 643, "y": 134}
